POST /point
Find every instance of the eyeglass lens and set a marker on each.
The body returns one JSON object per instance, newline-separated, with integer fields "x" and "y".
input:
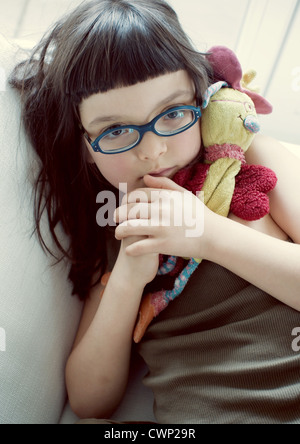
{"x": 169, "y": 124}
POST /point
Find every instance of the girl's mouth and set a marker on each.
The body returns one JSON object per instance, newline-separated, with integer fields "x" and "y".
{"x": 163, "y": 172}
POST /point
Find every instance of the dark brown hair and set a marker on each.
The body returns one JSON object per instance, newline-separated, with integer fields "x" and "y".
{"x": 102, "y": 45}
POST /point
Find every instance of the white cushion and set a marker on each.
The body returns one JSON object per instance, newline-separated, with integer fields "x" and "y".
{"x": 38, "y": 316}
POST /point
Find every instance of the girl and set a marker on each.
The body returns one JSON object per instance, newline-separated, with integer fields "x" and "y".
{"x": 222, "y": 351}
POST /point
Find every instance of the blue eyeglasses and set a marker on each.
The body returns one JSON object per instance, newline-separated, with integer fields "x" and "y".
{"x": 119, "y": 139}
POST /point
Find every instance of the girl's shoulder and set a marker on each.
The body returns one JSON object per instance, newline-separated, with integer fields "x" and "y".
{"x": 284, "y": 199}
{"x": 265, "y": 150}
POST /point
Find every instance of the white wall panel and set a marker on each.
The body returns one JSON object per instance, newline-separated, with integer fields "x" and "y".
{"x": 264, "y": 33}
{"x": 284, "y": 88}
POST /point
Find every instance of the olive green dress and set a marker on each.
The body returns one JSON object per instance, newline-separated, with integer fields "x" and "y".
{"x": 221, "y": 353}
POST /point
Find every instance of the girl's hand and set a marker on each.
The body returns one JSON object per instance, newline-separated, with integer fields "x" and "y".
{"x": 137, "y": 272}
{"x": 170, "y": 219}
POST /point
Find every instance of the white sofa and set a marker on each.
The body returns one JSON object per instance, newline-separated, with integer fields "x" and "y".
{"x": 38, "y": 316}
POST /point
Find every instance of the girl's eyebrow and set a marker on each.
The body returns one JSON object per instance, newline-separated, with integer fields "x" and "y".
{"x": 104, "y": 119}
{"x": 178, "y": 94}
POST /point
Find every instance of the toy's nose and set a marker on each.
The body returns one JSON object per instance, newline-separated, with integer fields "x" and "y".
{"x": 251, "y": 124}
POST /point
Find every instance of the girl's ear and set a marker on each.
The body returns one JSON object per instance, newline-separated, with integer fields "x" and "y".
{"x": 87, "y": 151}
{"x": 89, "y": 158}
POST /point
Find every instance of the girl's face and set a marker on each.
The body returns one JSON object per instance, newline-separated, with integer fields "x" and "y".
{"x": 138, "y": 105}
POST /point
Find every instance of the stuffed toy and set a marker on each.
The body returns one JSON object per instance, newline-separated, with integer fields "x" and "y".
{"x": 228, "y": 125}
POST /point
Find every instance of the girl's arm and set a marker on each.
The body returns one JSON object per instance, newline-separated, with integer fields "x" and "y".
{"x": 263, "y": 260}
{"x": 98, "y": 367}
{"x": 284, "y": 200}
{"x": 266, "y": 262}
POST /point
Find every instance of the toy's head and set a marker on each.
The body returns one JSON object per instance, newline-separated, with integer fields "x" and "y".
{"x": 229, "y": 107}
{"x": 230, "y": 118}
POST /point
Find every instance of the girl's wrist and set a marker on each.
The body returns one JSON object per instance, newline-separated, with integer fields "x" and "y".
{"x": 211, "y": 239}
{"x": 124, "y": 279}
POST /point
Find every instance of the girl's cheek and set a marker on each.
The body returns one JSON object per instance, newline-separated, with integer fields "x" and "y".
{"x": 115, "y": 171}
{"x": 189, "y": 144}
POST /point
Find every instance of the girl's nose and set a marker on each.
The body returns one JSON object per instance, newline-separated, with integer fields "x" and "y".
{"x": 151, "y": 147}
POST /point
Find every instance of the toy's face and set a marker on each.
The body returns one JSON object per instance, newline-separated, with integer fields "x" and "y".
{"x": 229, "y": 118}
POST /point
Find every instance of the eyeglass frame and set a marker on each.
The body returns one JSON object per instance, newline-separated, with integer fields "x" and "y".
{"x": 143, "y": 129}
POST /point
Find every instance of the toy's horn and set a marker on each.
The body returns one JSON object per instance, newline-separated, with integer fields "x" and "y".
{"x": 227, "y": 67}
{"x": 212, "y": 90}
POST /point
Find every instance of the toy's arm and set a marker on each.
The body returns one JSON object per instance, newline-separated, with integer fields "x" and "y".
{"x": 250, "y": 199}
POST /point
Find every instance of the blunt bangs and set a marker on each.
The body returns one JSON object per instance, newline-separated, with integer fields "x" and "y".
{"x": 120, "y": 49}
{"x": 119, "y": 46}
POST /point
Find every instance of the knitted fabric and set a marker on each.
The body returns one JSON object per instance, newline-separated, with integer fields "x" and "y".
{"x": 215, "y": 152}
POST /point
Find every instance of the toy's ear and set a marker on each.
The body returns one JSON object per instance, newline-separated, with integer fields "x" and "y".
{"x": 227, "y": 68}
{"x": 226, "y": 65}
{"x": 212, "y": 90}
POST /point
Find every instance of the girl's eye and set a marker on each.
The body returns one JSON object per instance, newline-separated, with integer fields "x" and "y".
{"x": 110, "y": 129}
{"x": 119, "y": 133}
{"x": 175, "y": 115}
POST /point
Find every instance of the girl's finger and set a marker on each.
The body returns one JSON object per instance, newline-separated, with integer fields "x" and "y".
{"x": 162, "y": 183}
{"x": 135, "y": 227}
{"x": 143, "y": 247}
{"x": 142, "y": 195}
{"x": 132, "y": 211}
{"x": 162, "y": 188}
